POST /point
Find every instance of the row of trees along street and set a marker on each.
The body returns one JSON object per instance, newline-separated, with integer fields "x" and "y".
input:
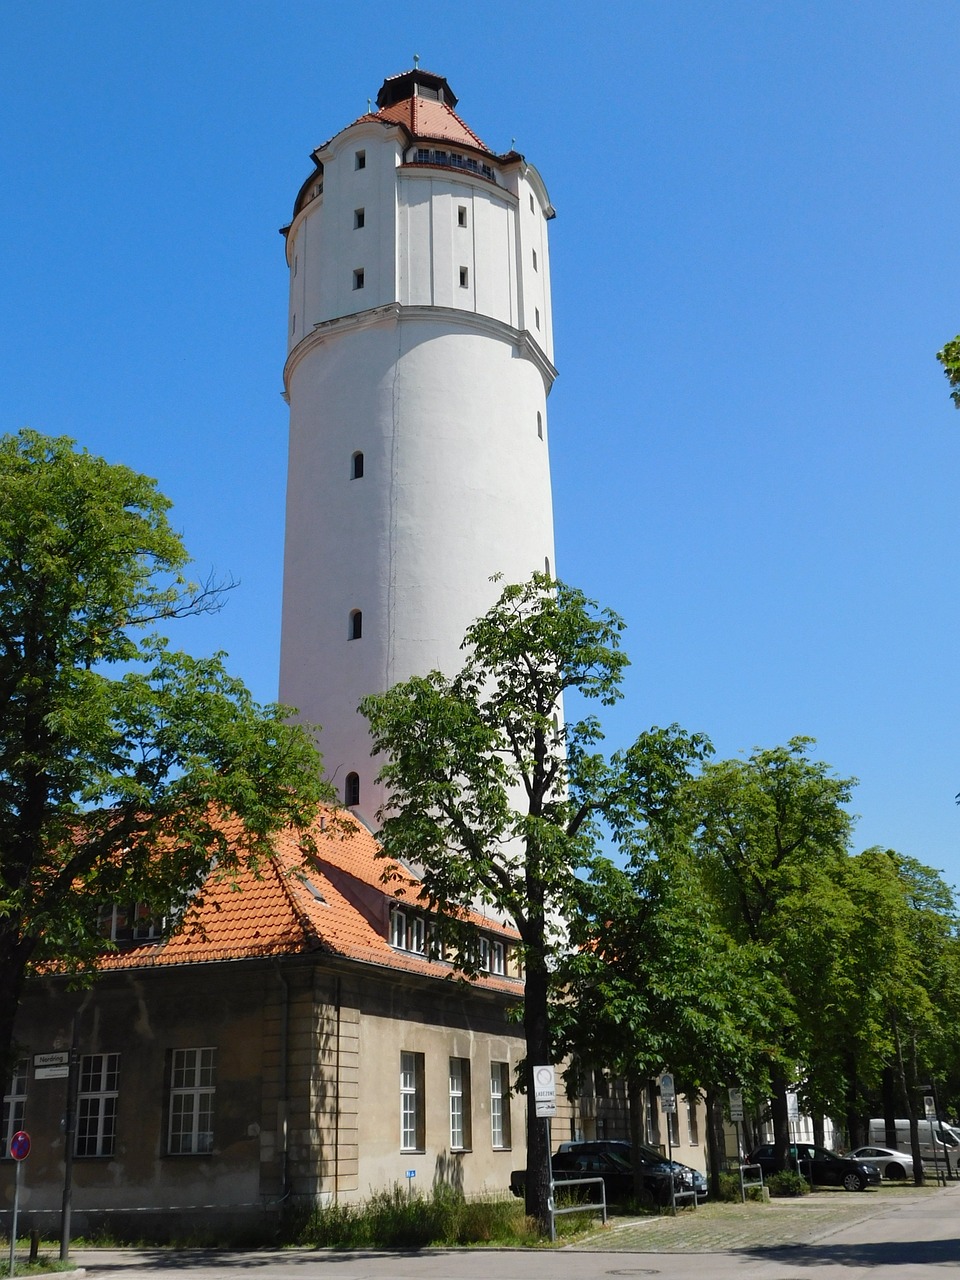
{"x": 675, "y": 912}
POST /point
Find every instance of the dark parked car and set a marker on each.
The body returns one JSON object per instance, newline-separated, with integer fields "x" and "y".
{"x": 617, "y": 1175}
{"x": 821, "y": 1167}
{"x": 691, "y": 1179}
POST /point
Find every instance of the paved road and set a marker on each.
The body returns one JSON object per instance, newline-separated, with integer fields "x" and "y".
{"x": 915, "y": 1238}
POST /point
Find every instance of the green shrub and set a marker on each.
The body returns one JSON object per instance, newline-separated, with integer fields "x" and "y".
{"x": 787, "y": 1183}
{"x": 394, "y": 1219}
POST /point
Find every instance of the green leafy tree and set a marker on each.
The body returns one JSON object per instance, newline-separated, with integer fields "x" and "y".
{"x": 772, "y": 834}
{"x": 949, "y": 357}
{"x": 496, "y": 800}
{"x": 121, "y": 761}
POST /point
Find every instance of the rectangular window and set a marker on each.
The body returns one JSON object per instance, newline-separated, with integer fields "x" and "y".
{"x": 498, "y": 958}
{"x": 500, "y": 1104}
{"x": 535, "y": 267}
{"x": 358, "y": 278}
{"x": 398, "y": 929}
{"x": 411, "y": 1102}
{"x": 193, "y": 1078}
{"x": 360, "y": 160}
{"x": 461, "y": 215}
{"x": 532, "y": 210}
{"x": 97, "y": 1104}
{"x": 359, "y": 218}
{"x": 536, "y": 316}
{"x": 464, "y": 277}
{"x": 14, "y": 1105}
{"x": 673, "y": 1127}
{"x": 693, "y": 1132}
{"x": 417, "y": 935}
{"x": 460, "y": 1127}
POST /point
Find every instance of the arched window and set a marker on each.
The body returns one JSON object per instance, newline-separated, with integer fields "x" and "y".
{"x": 356, "y": 466}
{"x": 356, "y": 624}
{"x": 539, "y": 424}
{"x": 546, "y": 565}
{"x": 351, "y": 790}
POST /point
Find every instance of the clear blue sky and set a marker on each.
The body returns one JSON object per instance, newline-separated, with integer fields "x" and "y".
{"x": 755, "y": 459}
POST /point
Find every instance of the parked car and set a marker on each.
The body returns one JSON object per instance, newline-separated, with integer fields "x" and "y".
{"x": 822, "y": 1167}
{"x": 617, "y": 1175}
{"x": 939, "y": 1143}
{"x": 895, "y": 1165}
{"x": 691, "y": 1179}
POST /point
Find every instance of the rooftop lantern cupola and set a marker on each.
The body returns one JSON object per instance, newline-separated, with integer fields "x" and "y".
{"x": 415, "y": 84}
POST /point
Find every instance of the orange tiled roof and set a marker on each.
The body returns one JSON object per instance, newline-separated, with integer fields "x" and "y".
{"x": 423, "y": 119}
{"x": 333, "y": 900}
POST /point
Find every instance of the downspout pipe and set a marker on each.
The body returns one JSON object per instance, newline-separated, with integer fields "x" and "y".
{"x": 283, "y": 1101}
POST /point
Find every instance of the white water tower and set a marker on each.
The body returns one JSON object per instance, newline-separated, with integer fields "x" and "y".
{"x": 420, "y": 361}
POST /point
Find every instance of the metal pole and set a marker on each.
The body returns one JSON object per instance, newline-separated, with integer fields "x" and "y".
{"x": 673, "y": 1186}
{"x": 743, "y": 1190}
{"x": 16, "y": 1210}
{"x": 70, "y": 1128}
{"x": 553, "y": 1218}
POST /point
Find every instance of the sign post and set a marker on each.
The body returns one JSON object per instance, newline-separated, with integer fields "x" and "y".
{"x": 736, "y": 1115}
{"x": 668, "y": 1105}
{"x": 545, "y": 1108}
{"x": 19, "y": 1149}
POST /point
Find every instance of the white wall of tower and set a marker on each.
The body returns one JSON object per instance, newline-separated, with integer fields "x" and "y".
{"x": 428, "y": 373}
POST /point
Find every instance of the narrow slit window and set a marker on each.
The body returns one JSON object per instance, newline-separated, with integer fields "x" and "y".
{"x": 351, "y": 790}
{"x": 539, "y": 424}
{"x": 360, "y": 160}
{"x": 356, "y": 624}
{"x": 532, "y": 209}
{"x": 536, "y": 316}
{"x": 546, "y": 565}
{"x": 461, "y": 215}
{"x": 535, "y": 267}
{"x": 358, "y": 279}
{"x": 359, "y": 218}
{"x": 356, "y": 466}
{"x": 464, "y": 277}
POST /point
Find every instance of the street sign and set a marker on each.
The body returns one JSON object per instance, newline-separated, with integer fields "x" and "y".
{"x": 51, "y": 1066}
{"x": 411, "y": 1173}
{"x": 545, "y": 1092}
{"x": 668, "y": 1095}
{"x": 20, "y": 1145}
{"x": 736, "y": 1104}
{"x": 793, "y": 1108}
{"x": 930, "y": 1107}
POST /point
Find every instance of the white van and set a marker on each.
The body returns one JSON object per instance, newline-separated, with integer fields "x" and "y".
{"x": 945, "y": 1147}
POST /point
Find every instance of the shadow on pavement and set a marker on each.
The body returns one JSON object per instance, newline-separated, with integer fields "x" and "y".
{"x": 179, "y": 1259}
{"x": 885, "y": 1253}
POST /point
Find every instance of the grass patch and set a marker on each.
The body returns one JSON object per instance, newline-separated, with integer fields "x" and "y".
{"x": 396, "y": 1220}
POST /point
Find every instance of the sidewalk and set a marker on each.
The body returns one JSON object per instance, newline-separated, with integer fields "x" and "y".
{"x": 717, "y": 1228}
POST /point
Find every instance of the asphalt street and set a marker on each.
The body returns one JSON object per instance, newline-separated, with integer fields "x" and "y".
{"x": 889, "y": 1239}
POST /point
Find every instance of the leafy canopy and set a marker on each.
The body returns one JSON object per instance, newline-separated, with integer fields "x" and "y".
{"x": 949, "y": 357}
{"x": 121, "y": 761}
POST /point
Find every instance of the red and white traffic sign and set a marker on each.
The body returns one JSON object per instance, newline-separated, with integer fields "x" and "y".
{"x": 20, "y": 1145}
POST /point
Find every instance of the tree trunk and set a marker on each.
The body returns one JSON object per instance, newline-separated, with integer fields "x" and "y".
{"x": 818, "y": 1139}
{"x": 781, "y": 1125}
{"x": 635, "y": 1092}
{"x": 716, "y": 1148}
{"x": 888, "y": 1082}
{"x": 14, "y": 955}
{"x": 536, "y": 1029}
{"x": 911, "y": 1112}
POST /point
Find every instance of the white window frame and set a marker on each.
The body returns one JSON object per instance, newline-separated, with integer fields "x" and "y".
{"x": 14, "y": 1106}
{"x": 96, "y": 1133}
{"x": 398, "y": 928}
{"x": 498, "y": 958}
{"x": 460, "y": 1104}
{"x": 193, "y": 1084}
{"x": 500, "y": 1105}
{"x": 417, "y": 935}
{"x": 411, "y": 1101}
